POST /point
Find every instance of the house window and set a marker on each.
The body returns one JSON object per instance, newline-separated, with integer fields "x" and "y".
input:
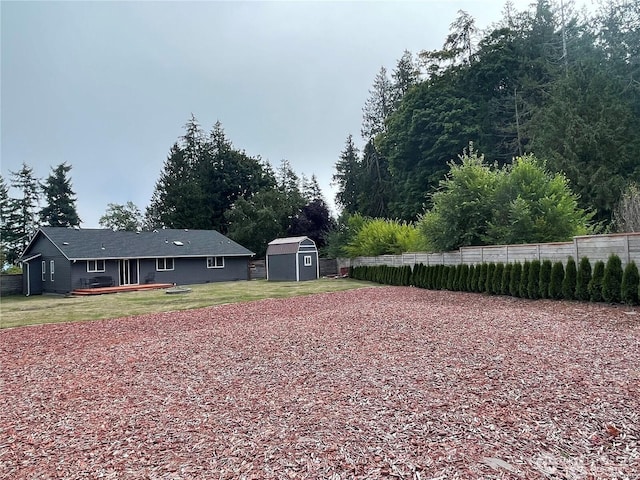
{"x": 95, "y": 265}
{"x": 52, "y": 268}
{"x": 215, "y": 262}
{"x": 44, "y": 270}
{"x": 163, "y": 264}
{"x": 307, "y": 261}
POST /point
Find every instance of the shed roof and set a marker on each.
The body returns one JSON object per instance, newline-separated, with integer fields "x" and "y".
{"x": 81, "y": 244}
{"x": 288, "y": 245}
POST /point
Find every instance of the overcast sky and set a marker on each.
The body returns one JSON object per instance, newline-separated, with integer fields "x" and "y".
{"x": 107, "y": 86}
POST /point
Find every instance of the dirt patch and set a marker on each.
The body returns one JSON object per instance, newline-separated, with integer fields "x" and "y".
{"x": 373, "y": 383}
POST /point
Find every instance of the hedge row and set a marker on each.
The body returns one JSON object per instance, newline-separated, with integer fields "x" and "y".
{"x": 531, "y": 279}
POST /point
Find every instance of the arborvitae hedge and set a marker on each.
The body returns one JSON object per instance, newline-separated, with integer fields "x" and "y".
{"x": 456, "y": 280}
{"x": 630, "y": 283}
{"x": 570, "y": 278}
{"x": 612, "y": 280}
{"x": 496, "y": 285}
{"x": 545, "y": 278}
{"x": 488, "y": 281}
{"x": 595, "y": 284}
{"x": 555, "y": 284}
{"x": 524, "y": 280}
{"x": 506, "y": 277}
{"x": 583, "y": 279}
{"x": 450, "y": 276}
{"x": 514, "y": 280}
{"x": 482, "y": 278}
{"x": 464, "y": 278}
{"x": 470, "y": 274}
{"x": 533, "y": 281}
{"x": 475, "y": 278}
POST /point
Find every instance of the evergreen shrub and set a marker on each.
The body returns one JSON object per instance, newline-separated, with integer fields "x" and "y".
{"x": 555, "y": 284}
{"x": 570, "y": 278}
{"x": 545, "y": 278}
{"x": 523, "y": 291}
{"x": 612, "y": 280}
{"x": 496, "y": 284}
{"x": 630, "y": 284}
{"x": 583, "y": 279}
{"x": 595, "y": 284}
{"x": 514, "y": 279}
{"x": 506, "y": 277}
{"x": 533, "y": 281}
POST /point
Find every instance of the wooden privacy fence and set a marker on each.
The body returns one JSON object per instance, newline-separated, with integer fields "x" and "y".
{"x": 594, "y": 247}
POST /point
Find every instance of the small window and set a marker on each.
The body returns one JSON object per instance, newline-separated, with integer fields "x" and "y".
{"x": 95, "y": 266}
{"x": 163, "y": 264}
{"x": 307, "y": 261}
{"x": 52, "y": 268}
{"x": 44, "y": 270}
{"x": 215, "y": 262}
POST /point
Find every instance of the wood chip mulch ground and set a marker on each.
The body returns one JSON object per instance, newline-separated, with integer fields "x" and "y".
{"x": 385, "y": 382}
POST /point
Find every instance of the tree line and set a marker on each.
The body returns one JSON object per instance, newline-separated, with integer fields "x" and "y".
{"x": 528, "y": 131}
{"x": 549, "y": 82}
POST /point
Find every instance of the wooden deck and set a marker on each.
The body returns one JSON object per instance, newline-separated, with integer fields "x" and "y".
{"x": 120, "y": 289}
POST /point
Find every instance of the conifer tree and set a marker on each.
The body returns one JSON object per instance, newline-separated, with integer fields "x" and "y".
{"x": 523, "y": 288}
{"x": 570, "y": 280}
{"x": 545, "y": 278}
{"x": 26, "y": 220}
{"x": 60, "y": 210}
{"x": 630, "y": 284}
{"x": 533, "y": 280}
{"x": 496, "y": 285}
{"x": 506, "y": 277}
{"x": 612, "y": 280}
{"x": 555, "y": 284}
{"x": 595, "y": 284}
{"x": 583, "y": 279}
{"x": 514, "y": 279}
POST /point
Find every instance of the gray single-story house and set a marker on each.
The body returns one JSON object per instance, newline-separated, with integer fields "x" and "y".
{"x": 292, "y": 259}
{"x": 60, "y": 260}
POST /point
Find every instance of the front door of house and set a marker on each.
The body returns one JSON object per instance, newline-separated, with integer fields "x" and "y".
{"x": 128, "y": 272}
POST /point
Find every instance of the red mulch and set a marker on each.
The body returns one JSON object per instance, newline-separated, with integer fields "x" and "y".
{"x": 373, "y": 383}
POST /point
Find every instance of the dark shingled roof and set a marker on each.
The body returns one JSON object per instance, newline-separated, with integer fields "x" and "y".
{"x": 81, "y": 244}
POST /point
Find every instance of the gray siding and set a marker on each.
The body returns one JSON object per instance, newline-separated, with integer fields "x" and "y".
{"x": 282, "y": 267}
{"x": 186, "y": 271}
{"x": 308, "y": 272}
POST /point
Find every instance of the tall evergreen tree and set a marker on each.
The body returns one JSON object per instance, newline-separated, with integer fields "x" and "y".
{"x": 25, "y": 207}
{"x": 9, "y": 221}
{"x": 378, "y": 106}
{"x": 348, "y": 177}
{"x": 60, "y": 210}
{"x": 404, "y": 76}
{"x": 375, "y": 183}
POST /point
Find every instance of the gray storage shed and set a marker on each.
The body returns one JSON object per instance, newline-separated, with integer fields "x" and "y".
{"x": 292, "y": 259}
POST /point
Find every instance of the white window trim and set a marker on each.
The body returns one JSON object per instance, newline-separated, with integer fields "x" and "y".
{"x": 212, "y": 262}
{"x": 44, "y": 270}
{"x": 164, "y": 268}
{"x": 52, "y": 268}
{"x": 308, "y": 262}
{"x": 95, "y": 264}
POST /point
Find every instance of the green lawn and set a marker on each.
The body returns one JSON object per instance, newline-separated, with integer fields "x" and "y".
{"x": 16, "y": 311}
